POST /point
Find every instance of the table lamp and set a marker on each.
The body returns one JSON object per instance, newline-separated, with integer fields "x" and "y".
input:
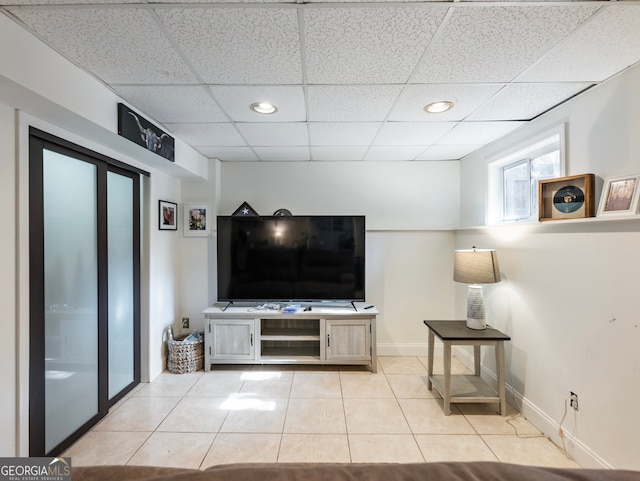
{"x": 475, "y": 267}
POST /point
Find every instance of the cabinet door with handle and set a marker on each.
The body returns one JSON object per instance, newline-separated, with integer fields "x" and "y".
{"x": 348, "y": 340}
{"x": 232, "y": 339}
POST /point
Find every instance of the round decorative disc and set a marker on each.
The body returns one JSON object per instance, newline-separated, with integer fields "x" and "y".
{"x": 568, "y": 199}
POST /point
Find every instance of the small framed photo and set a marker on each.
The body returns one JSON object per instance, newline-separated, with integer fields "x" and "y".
{"x": 568, "y": 197}
{"x": 196, "y": 220}
{"x": 620, "y": 195}
{"x": 167, "y": 215}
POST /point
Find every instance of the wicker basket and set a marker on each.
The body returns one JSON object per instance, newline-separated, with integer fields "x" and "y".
{"x": 184, "y": 356}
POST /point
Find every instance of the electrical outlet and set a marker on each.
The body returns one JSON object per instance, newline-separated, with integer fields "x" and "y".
{"x": 185, "y": 323}
{"x": 573, "y": 400}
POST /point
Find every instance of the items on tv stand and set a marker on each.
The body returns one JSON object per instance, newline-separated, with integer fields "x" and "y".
{"x": 321, "y": 335}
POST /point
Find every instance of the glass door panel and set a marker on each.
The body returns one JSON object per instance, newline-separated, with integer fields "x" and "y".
{"x": 120, "y": 233}
{"x": 70, "y": 294}
{"x": 84, "y": 289}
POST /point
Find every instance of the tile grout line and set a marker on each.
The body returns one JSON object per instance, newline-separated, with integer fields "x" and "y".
{"x": 413, "y": 434}
{"x": 403, "y": 392}
{"x": 344, "y": 413}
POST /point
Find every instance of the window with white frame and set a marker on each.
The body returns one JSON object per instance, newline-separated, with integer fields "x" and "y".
{"x": 513, "y": 178}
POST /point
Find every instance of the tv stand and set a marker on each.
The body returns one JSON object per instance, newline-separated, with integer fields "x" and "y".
{"x": 323, "y": 335}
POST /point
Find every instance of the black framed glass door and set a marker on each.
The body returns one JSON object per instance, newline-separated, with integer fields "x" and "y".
{"x": 84, "y": 279}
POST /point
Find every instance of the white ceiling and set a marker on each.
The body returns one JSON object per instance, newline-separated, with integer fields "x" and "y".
{"x": 349, "y": 79}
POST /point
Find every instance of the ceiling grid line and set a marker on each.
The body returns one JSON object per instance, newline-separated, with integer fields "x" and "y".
{"x": 349, "y": 79}
{"x": 195, "y": 72}
{"x": 436, "y": 34}
{"x": 303, "y": 69}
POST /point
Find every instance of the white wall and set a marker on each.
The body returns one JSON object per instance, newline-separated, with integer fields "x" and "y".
{"x": 409, "y": 279}
{"x": 393, "y": 195}
{"x": 569, "y": 291}
{"x": 197, "y": 254}
{"x": 8, "y": 392}
{"x": 407, "y": 221}
{"x": 163, "y": 278}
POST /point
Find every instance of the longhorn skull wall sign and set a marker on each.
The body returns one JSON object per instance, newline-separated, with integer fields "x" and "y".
{"x": 137, "y": 129}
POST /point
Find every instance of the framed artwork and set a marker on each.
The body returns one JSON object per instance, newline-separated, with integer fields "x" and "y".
{"x": 167, "y": 215}
{"x": 566, "y": 197}
{"x": 620, "y": 195}
{"x": 196, "y": 220}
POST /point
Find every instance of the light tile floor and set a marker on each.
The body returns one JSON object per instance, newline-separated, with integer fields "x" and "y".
{"x": 307, "y": 414}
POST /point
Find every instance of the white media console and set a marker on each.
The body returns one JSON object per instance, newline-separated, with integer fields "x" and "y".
{"x": 321, "y": 335}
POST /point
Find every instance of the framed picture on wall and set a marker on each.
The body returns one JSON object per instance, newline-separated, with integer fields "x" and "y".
{"x": 620, "y": 195}
{"x": 167, "y": 215}
{"x": 196, "y": 220}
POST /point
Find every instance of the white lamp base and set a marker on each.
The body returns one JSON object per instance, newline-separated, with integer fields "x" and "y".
{"x": 475, "y": 308}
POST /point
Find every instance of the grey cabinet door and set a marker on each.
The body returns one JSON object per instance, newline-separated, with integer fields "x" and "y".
{"x": 232, "y": 339}
{"x": 348, "y": 340}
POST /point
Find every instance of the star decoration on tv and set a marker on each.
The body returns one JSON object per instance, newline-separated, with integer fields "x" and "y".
{"x": 245, "y": 210}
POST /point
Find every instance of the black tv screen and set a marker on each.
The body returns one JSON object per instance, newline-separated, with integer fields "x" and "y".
{"x": 291, "y": 258}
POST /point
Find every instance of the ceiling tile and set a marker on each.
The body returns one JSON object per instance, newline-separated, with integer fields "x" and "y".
{"x": 236, "y": 102}
{"x": 349, "y": 77}
{"x": 362, "y": 45}
{"x": 466, "y": 99}
{"x": 412, "y": 133}
{"x": 238, "y": 45}
{"x": 173, "y": 103}
{"x": 608, "y": 43}
{"x": 208, "y": 135}
{"x": 272, "y": 135}
{"x": 393, "y": 152}
{"x": 343, "y": 133}
{"x": 496, "y": 43}
{"x": 447, "y": 152}
{"x": 348, "y": 153}
{"x": 526, "y": 101}
{"x": 288, "y": 154}
{"x": 350, "y": 103}
{"x": 474, "y": 133}
{"x": 236, "y": 154}
{"x": 124, "y": 46}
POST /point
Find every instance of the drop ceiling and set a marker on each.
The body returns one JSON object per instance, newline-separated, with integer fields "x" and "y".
{"x": 349, "y": 79}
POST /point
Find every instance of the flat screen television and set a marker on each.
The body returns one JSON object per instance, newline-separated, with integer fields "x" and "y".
{"x": 291, "y": 258}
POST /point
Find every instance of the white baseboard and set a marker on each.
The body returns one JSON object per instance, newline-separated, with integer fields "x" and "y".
{"x": 573, "y": 447}
{"x": 417, "y": 349}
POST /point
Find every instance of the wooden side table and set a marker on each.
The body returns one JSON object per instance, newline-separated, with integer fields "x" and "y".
{"x": 466, "y": 388}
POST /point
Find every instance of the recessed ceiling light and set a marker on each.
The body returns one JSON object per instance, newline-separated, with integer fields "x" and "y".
{"x": 438, "y": 107}
{"x": 264, "y": 108}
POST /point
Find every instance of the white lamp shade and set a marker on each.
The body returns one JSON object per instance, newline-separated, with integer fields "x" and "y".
{"x": 476, "y": 266}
